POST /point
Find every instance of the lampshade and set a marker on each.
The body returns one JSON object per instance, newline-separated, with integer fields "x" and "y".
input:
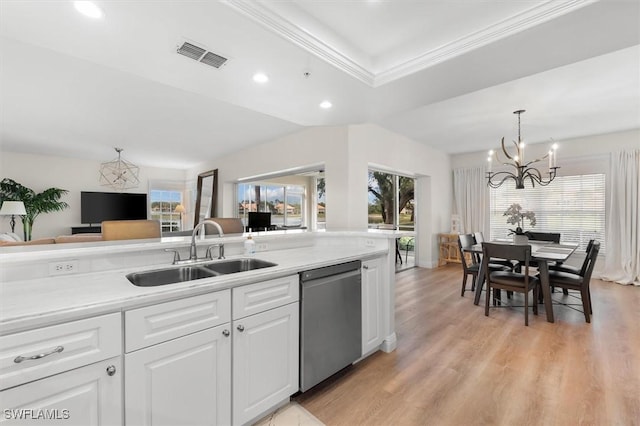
{"x": 180, "y": 209}
{"x": 13, "y": 208}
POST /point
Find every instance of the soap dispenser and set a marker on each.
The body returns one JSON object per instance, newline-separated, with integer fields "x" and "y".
{"x": 249, "y": 246}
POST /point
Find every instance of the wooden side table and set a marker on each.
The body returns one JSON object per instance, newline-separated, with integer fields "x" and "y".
{"x": 449, "y": 251}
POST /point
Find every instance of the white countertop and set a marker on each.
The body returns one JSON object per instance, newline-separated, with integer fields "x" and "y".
{"x": 39, "y": 302}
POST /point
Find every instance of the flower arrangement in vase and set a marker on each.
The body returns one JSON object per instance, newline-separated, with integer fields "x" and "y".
{"x": 516, "y": 216}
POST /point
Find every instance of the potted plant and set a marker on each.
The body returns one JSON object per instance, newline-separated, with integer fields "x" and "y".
{"x": 516, "y": 216}
{"x": 46, "y": 201}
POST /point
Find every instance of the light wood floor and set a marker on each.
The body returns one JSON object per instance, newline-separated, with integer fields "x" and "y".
{"x": 454, "y": 366}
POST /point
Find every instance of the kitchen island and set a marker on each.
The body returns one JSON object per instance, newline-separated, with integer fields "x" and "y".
{"x": 196, "y": 321}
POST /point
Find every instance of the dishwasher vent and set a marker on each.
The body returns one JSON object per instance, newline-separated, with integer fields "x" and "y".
{"x": 201, "y": 54}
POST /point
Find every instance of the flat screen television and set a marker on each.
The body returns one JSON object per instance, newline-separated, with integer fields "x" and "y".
{"x": 259, "y": 221}
{"x": 98, "y": 206}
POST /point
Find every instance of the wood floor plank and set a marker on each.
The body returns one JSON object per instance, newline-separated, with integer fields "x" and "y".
{"x": 455, "y": 366}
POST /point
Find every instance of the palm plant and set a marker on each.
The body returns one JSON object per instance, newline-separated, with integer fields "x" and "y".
{"x": 46, "y": 201}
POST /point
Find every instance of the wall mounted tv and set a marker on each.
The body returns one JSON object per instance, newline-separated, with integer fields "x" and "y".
{"x": 98, "y": 206}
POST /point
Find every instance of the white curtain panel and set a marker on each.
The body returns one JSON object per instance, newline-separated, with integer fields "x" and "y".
{"x": 470, "y": 199}
{"x": 623, "y": 225}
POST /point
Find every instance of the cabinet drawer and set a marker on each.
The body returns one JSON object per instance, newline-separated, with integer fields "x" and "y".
{"x": 38, "y": 353}
{"x": 253, "y": 298}
{"x": 160, "y": 323}
{"x": 85, "y": 396}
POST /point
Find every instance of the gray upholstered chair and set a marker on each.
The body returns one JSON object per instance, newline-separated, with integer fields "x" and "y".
{"x": 130, "y": 229}
{"x": 229, "y": 225}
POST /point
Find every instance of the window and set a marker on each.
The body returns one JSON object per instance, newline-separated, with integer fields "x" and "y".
{"x": 574, "y": 206}
{"x": 321, "y": 203}
{"x": 163, "y": 206}
{"x": 286, "y": 203}
{"x": 388, "y": 194}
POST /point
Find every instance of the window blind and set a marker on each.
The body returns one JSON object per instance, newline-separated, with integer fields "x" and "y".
{"x": 573, "y": 206}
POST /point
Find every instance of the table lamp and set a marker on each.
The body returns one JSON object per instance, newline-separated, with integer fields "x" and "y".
{"x": 13, "y": 208}
{"x": 180, "y": 209}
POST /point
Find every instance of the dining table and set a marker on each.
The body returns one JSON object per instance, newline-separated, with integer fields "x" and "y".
{"x": 542, "y": 252}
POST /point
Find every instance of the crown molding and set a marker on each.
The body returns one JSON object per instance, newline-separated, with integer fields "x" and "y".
{"x": 505, "y": 28}
{"x": 297, "y": 35}
{"x": 510, "y": 26}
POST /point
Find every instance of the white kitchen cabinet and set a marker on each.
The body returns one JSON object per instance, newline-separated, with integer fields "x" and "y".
{"x": 372, "y": 304}
{"x": 35, "y": 354}
{"x": 185, "y": 381}
{"x": 265, "y": 361}
{"x": 178, "y": 362}
{"x": 68, "y": 373}
{"x": 85, "y": 396}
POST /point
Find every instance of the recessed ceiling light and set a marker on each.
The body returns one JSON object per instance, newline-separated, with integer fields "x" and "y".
{"x": 325, "y": 104}
{"x": 89, "y": 9}
{"x": 260, "y": 77}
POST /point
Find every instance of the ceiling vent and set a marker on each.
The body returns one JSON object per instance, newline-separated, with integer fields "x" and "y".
{"x": 201, "y": 54}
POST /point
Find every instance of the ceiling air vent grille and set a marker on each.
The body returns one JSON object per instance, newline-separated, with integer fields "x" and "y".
{"x": 214, "y": 60}
{"x": 201, "y": 55}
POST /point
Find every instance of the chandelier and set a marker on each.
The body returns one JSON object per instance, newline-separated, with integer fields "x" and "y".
{"x": 521, "y": 170}
{"x": 119, "y": 174}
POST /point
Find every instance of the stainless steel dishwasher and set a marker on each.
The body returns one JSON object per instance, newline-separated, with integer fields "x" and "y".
{"x": 330, "y": 321}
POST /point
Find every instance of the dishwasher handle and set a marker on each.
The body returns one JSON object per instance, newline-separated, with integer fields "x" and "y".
{"x": 331, "y": 279}
{"x": 329, "y": 271}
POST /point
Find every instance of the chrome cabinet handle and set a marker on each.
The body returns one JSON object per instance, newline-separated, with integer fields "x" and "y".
{"x": 241, "y": 328}
{"x": 21, "y": 358}
{"x": 365, "y": 266}
{"x": 111, "y": 370}
{"x": 226, "y": 333}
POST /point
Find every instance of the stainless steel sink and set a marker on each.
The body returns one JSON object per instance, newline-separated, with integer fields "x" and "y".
{"x": 169, "y": 276}
{"x": 195, "y": 272}
{"x": 237, "y": 265}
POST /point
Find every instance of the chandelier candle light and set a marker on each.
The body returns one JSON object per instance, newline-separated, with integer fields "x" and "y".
{"x": 522, "y": 170}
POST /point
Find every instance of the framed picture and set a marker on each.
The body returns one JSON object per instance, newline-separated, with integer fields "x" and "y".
{"x": 455, "y": 224}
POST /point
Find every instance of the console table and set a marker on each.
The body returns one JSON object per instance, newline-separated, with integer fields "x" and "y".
{"x": 449, "y": 251}
{"x": 97, "y": 229}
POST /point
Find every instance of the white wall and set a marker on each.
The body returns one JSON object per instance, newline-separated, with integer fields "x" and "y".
{"x": 584, "y": 155}
{"x": 588, "y": 146}
{"x": 346, "y": 154}
{"x": 371, "y": 145}
{"x": 324, "y": 146}
{"x": 40, "y": 172}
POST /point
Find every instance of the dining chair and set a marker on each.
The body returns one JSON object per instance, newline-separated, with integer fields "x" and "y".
{"x": 471, "y": 262}
{"x": 509, "y": 280}
{"x": 504, "y": 262}
{"x": 578, "y": 282}
{"x": 470, "y": 266}
{"x": 560, "y": 266}
{"x": 572, "y": 269}
{"x": 553, "y": 237}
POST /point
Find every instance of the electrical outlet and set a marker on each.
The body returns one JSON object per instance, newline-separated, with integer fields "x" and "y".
{"x": 261, "y": 247}
{"x": 369, "y": 243}
{"x": 63, "y": 267}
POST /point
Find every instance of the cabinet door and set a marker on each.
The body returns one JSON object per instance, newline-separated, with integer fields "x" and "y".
{"x": 90, "y": 395}
{"x": 372, "y": 305}
{"x": 265, "y": 361}
{"x": 186, "y": 381}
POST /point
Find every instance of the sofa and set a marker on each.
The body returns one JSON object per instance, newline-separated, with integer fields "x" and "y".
{"x": 9, "y": 239}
